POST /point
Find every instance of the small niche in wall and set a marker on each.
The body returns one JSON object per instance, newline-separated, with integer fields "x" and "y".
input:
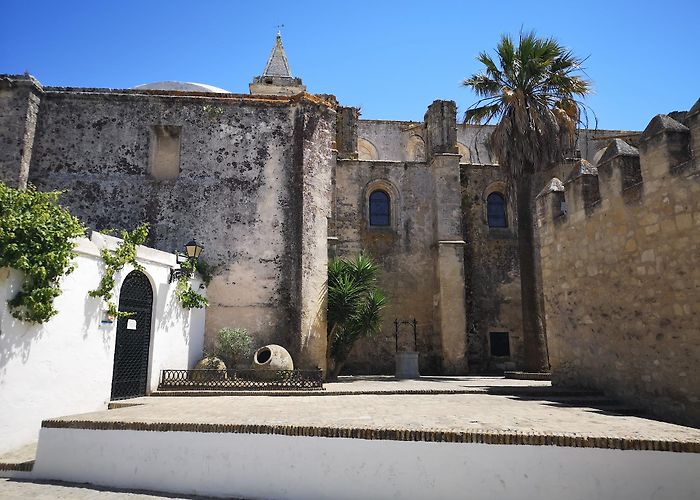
{"x": 165, "y": 152}
{"x": 500, "y": 344}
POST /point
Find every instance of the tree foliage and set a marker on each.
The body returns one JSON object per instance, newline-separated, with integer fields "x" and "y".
{"x": 188, "y": 297}
{"x": 355, "y": 305}
{"x": 115, "y": 261}
{"x": 533, "y": 92}
{"x": 36, "y": 238}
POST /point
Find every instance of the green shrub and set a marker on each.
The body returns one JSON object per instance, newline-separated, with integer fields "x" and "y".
{"x": 233, "y": 345}
{"x": 355, "y": 306}
{"x": 125, "y": 253}
{"x": 36, "y": 237}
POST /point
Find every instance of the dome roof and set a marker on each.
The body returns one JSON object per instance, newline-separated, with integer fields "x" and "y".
{"x": 181, "y": 86}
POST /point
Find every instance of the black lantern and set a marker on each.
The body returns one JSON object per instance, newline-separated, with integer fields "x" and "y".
{"x": 192, "y": 252}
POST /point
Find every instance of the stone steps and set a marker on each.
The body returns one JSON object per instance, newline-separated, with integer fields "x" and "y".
{"x": 18, "y": 462}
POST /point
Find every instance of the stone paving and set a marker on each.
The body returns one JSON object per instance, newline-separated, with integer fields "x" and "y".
{"x": 473, "y": 412}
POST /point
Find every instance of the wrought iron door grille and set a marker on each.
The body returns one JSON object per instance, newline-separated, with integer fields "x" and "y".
{"x": 131, "y": 352}
{"x": 242, "y": 380}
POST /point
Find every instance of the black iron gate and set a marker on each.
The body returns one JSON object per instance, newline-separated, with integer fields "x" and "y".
{"x": 133, "y": 337}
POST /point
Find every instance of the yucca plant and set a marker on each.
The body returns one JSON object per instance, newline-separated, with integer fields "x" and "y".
{"x": 355, "y": 307}
{"x": 532, "y": 92}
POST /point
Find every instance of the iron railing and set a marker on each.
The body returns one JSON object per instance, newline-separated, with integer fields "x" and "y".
{"x": 242, "y": 380}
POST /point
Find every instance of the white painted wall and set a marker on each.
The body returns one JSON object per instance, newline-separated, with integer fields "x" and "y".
{"x": 65, "y": 365}
{"x": 274, "y": 466}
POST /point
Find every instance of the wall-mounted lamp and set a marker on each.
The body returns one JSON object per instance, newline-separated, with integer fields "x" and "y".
{"x": 192, "y": 252}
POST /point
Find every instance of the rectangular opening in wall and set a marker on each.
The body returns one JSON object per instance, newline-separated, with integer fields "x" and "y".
{"x": 165, "y": 151}
{"x": 500, "y": 344}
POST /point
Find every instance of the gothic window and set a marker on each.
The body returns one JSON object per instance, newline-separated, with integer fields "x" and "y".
{"x": 496, "y": 210}
{"x": 379, "y": 209}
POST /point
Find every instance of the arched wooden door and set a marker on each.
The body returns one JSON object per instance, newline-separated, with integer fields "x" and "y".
{"x": 131, "y": 352}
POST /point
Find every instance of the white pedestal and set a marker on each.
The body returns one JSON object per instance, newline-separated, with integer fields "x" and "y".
{"x": 407, "y": 365}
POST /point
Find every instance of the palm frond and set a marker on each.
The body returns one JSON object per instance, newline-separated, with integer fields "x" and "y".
{"x": 533, "y": 89}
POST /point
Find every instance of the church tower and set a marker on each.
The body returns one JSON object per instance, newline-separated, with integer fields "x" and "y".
{"x": 277, "y": 78}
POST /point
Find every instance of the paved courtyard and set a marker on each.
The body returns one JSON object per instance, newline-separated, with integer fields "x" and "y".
{"x": 450, "y": 404}
{"x": 487, "y": 404}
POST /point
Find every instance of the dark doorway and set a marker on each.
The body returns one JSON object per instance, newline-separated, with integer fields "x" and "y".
{"x": 130, "y": 373}
{"x": 500, "y": 344}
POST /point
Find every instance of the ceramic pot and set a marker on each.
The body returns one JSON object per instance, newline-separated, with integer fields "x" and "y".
{"x": 270, "y": 358}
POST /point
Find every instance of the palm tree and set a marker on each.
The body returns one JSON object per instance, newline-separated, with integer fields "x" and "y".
{"x": 532, "y": 91}
{"x": 355, "y": 305}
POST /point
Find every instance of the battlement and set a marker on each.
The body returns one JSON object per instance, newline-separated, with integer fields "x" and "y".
{"x": 668, "y": 153}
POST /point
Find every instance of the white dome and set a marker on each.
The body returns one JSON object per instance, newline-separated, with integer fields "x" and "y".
{"x": 181, "y": 86}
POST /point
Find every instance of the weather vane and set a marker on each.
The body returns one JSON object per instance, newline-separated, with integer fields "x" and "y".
{"x": 279, "y": 28}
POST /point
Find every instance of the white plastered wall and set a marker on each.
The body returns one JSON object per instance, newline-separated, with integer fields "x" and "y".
{"x": 64, "y": 366}
{"x": 288, "y": 467}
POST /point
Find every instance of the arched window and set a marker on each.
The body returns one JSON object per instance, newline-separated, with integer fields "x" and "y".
{"x": 379, "y": 209}
{"x": 496, "y": 210}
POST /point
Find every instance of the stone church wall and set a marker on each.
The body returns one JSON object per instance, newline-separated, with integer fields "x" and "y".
{"x": 405, "y": 252}
{"x": 621, "y": 271}
{"x": 420, "y": 252}
{"x": 491, "y": 270}
{"x": 248, "y": 178}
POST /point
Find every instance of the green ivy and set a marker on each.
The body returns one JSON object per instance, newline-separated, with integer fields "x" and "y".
{"x": 36, "y": 238}
{"x": 185, "y": 294}
{"x": 115, "y": 261}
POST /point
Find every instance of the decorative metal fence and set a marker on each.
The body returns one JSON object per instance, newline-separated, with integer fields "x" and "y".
{"x": 242, "y": 380}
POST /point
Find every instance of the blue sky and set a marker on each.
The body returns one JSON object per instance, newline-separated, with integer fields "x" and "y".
{"x": 390, "y": 58}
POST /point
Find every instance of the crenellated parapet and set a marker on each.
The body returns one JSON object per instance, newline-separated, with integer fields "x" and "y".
{"x": 625, "y": 175}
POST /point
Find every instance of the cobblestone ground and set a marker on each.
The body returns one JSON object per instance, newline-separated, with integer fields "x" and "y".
{"x": 475, "y": 411}
{"x": 11, "y": 489}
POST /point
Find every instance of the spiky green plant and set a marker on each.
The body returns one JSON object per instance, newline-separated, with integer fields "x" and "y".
{"x": 532, "y": 91}
{"x": 355, "y": 305}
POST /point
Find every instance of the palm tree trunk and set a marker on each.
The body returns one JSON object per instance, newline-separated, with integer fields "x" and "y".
{"x": 534, "y": 335}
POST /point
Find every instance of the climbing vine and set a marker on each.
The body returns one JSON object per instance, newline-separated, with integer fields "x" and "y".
{"x": 189, "y": 298}
{"x": 36, "y": 238}
{"x": 115, "y": 261}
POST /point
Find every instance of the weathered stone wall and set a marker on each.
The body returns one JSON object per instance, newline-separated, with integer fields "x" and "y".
{"x": 621, "y": 271}
{"x": 239, "y": 192}
{"x": 492, "y": 272}
{"x": 392, "y": 140}
{"x": 405, "y": 252}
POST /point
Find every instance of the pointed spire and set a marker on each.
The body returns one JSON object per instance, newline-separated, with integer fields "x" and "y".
{"x": 277, "y": 64}
{"x": 277, "y": 78}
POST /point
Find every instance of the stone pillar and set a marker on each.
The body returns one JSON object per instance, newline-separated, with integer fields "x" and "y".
{"x": 346, "y": 132}
{"x": 315, "y": 132}
{"x": 441, "y": 127}
{"x": 19, "y": 108}
{"x": 450, "y": 313}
